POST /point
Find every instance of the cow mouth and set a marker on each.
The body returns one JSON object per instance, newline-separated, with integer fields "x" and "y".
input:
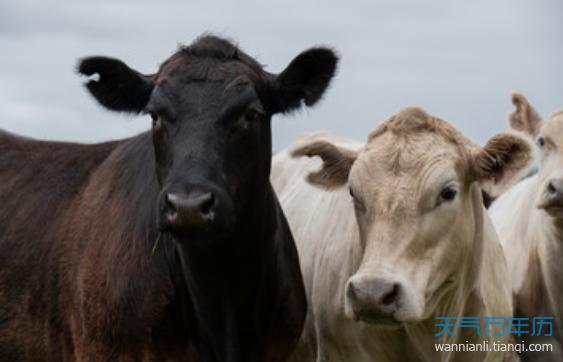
{"x": 379, "y": 321}
{"x": 553, "y": 209}
{"x": 199, "y": 236}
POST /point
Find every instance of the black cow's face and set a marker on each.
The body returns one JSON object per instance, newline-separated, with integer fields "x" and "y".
{"x": 212, "y": 142}
{"x": 211, "y": 107}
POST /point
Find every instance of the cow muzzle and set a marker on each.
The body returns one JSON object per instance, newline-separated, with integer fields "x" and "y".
{"x": 551, "y": 199}
{"x": 374, "y": 300}
{"x": 199, "y": 210}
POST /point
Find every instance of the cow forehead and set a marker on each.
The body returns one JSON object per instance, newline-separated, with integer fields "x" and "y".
{"x": 412, "y": 143}
{"x": 191, "y": 69}
{"x": 408, "y": 161}
{"x": 554, "y": 127}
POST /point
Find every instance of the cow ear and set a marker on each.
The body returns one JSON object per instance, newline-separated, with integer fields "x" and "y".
{"x": 501, "y": 162}
{"x": 117, "y": 87}
{"x": 524, "y": 118}
{"x": 305, "y": 79}
{"x": 336, "y": 166}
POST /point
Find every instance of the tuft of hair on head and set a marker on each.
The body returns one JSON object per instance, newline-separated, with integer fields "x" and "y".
{"x": 213, "y": 46}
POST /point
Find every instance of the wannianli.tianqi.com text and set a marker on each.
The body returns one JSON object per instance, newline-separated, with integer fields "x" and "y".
{"x": 486, "y": 346}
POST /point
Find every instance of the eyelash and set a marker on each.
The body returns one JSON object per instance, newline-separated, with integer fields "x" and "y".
{"x": 448, "y": 194}
{"x": 541, "y": 142}
{"x": 251, "y": 115}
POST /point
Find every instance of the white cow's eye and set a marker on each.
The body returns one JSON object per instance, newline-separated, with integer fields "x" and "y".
{"x": 447, "y": 194}
{"x": 541, "y": 141}
{"x": 351, "y": 192}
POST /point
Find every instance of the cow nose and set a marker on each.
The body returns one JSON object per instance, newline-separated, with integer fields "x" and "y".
{"x": 553, "y": 195}
{"x": 555, "y": 186}
{"x": 192, "y": 210}
{"x": 374, "y": 299}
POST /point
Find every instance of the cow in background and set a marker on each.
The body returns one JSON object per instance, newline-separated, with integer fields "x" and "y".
{"x": 529, "y": 221}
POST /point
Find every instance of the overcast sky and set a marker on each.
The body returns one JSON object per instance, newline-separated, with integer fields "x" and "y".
{"x": 457, "y": 59}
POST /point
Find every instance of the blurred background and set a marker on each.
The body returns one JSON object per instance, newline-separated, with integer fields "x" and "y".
{"x": 457, "y": 59}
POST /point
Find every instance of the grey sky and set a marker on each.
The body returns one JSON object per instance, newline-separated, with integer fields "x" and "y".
{"x": 457, "y": 59}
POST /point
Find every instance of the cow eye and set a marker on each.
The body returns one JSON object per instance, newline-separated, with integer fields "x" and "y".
{"x": 351, "y": 192}
{"x": 447, "y": 194}
{"x": 156, "y": 122}
{"x": 252, "y": 115}
{"x": 541, "y": 141}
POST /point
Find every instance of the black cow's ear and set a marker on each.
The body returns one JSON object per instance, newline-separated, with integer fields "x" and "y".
{"x": 305, "y": 79}
{"x": 118, "y": 87}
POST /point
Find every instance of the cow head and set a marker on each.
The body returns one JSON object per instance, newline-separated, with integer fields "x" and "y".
{"x": 211, "y": 106}
{"x": 549, "y": 139}
{"x": 415, "y": 187}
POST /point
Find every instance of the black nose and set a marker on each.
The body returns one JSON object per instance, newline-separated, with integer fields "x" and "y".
{"x": 374, "y": 299}
{"x": 196, "y": 209}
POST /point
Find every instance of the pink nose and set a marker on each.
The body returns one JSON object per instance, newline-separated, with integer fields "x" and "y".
{"x": 375, "y": 298}
{"x": 553, "y": 194}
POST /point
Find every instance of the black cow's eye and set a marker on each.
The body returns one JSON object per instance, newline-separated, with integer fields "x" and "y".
{"x": 541, "y": 141}
{"x": 156, "y": 122}
{"x": 351, "y": 192}
{"x": 252, "y": 115}
{"x": 448, "y": 194}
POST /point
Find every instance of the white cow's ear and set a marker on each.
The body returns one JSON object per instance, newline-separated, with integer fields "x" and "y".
{"x": 524, "y": 118}
{"x": 501, "y": 162}
{"x": 337, "y": 162}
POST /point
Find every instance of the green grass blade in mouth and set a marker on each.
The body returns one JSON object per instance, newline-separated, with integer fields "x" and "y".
{"x": 155, "y": 244}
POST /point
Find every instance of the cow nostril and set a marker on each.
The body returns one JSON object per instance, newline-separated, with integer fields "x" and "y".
{"x": 391, "y": 297}
{"x": 351, "y": 291}
{"x": 551, "y": 188}
{"x": 170, "y": 202}
{"x": 207, "y": 203}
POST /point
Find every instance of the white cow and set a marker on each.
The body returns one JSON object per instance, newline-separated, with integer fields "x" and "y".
{"x": 529, "y": 221}
{"x": 393, "y": 233}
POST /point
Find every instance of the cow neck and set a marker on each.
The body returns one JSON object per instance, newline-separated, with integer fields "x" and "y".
{"x": 225, "y": 279}
{"x": 227, "y": 294}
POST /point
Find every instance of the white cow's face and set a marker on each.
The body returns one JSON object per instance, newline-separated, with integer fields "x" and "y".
{"x": 415, "y": 189}
{"x": 411, "y": 198}
{"x": 549, "y": 140}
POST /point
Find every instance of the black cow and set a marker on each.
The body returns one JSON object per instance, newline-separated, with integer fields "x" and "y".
{"x": 79, "y": 223}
